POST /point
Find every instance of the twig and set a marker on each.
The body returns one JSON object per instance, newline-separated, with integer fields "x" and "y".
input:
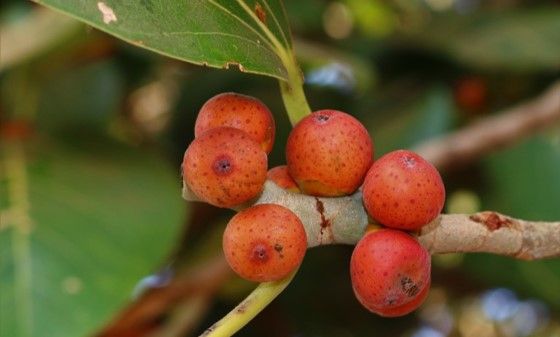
{"x": 495, "y": 132}
{"x": 185, "y": 318}
{"x": 141, "y": 317}
{"x": 492, "y": 232}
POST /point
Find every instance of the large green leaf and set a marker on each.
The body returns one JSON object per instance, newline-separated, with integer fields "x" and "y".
{"x": 518, "y": 40}
{"x": 101, "y": 216}
{"x": 218, "y": 33}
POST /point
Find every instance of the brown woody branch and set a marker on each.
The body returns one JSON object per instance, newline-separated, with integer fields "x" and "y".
{"x": 492, "y": 232}
{"x": 343, "y": 220}
{"x": 495, "y": 132}
{"x": 142, "y": 317}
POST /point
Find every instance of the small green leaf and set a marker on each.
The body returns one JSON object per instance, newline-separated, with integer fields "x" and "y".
{"x": 82, "y": 224}
{"x": 250, "y": 35}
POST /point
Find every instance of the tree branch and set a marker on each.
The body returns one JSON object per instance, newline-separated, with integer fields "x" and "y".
{"x": 143, "y": 315}
{"x": 343, "y": 221}
{"x": 495, "y": 132}
{"x": 492, "y": 232}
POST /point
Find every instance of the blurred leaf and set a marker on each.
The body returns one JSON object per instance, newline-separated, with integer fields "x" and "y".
{"x": 374, "y": 17}
{"x": 306, "y": 15}
{"x": 527, "y": 39}
{"x": 217, "y": 33}
{"x": 84, "y": 96}
{"x": 361, "y": 74}
{"x": 33, "y": 35}
{"x": 540, "y": 279}
{"x": 408, "y": 125}
{"x": 102, "y": 217}
{"x": 524, "y": 181}
{"x": 68, "y": 98}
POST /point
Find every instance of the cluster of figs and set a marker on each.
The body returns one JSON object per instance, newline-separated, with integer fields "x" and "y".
{"x": 329, "y": 153}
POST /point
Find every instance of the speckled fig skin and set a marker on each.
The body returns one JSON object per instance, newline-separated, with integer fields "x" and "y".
{"x": 241, "y": 112}
{"x": 281, "y": 177}
{"x": 225, "y": 167}
{"x": 407, "y": 307}
{"x": 403, "y": 191}
{"x": 390, "y": 272}
{"x": 328, "y": 153}
{"x": 264, "y": 243}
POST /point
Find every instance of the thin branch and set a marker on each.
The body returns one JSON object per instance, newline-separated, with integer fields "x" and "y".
{"x": 492, "y": 232}
{"x": 142, "y": 316}
{"x": 343, "y": 221}
{"x": 495, "y": 132}
{"x": 185, "y": 318}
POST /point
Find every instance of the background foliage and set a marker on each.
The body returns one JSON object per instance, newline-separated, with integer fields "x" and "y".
{"x": 93, "y": 131}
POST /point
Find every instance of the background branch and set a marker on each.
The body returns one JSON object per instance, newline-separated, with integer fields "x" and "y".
{"x": 495, "y": 132}
{"x": 194, "y": 287}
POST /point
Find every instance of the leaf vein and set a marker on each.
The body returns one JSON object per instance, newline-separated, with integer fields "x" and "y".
{"x": 277, "y": 22}
{"x": 225, "y": 10}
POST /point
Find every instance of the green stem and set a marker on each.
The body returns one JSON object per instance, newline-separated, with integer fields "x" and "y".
{"x": 292, "y": 90}
{"x": 245, "y": 311}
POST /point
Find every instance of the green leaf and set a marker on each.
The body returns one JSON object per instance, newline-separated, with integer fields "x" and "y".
{"x": 252, "y": 35}
{"x": 84, "y": 97}
{"x": 523, "y": 181}
{"x": 514, "y": 40}
{"x": 81, "y": 225}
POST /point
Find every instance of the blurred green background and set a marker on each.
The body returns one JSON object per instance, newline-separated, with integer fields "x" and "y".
{"x": 92, "y": 136}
